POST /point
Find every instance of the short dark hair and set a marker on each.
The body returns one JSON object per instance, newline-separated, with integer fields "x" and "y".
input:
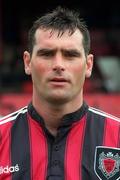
{"x": 60, "y": 19}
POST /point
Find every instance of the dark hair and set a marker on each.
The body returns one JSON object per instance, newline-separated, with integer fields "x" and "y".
{"x": 60, "y": 19}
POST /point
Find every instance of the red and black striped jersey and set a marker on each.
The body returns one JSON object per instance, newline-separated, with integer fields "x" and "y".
{"x": 87, "y": 146}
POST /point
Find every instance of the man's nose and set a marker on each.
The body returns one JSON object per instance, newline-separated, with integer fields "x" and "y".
{"x": 58, "y": 63}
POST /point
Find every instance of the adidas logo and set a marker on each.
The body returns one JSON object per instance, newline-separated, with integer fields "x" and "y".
{"x": 8, "y": 169}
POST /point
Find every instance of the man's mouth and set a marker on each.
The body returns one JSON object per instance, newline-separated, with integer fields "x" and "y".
{"x": 59, "y": 81}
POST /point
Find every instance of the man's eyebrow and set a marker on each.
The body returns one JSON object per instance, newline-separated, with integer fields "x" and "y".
{"x": 45, "y": 50}
{"x": 72, "y": 52}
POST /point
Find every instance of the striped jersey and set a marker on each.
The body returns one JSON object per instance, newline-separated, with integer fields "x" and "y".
{"x": 87, "y": 146}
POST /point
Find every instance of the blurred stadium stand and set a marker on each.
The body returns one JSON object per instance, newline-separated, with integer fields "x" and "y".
{"x": 109, "y": 103}
{"x": 101, "y": 90}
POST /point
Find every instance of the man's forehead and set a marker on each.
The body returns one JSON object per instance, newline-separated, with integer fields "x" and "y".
{"x": 51, "y": 33}
{"x": 43, "y": 39}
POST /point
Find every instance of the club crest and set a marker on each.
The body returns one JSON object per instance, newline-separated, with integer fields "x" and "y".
{"x": 107, "y": 163}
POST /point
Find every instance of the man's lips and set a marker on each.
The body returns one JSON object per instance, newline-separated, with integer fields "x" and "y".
{"x": 59, "y": 80}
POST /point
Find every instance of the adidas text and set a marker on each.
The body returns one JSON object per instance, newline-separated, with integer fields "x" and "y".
{"x": 8, "y": 169}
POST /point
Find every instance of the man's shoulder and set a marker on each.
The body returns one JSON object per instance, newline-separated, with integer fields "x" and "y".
{"x": 103, "y": 114}
{"x": 12, "y": 116}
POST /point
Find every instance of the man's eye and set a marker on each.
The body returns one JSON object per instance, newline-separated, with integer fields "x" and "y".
{"x": 45, "y": 54}
{"x": 71, "y": 54}
{"x": 48, "y": 54}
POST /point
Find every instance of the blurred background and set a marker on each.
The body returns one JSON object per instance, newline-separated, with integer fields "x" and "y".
{"x": 102, "y": 90}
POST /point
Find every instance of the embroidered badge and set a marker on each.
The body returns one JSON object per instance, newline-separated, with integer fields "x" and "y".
{"x": 107, "y": 163}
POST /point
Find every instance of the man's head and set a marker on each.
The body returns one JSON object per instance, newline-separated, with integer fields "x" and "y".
{"x": 58, "y": 59}
{"x": 60, "y": 20}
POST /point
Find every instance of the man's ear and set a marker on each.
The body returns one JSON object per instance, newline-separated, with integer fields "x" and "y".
{"x": 27, "y": 62}
{"x": 89, "y": 65}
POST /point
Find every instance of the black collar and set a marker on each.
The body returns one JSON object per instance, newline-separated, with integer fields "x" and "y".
{"x": 67, "y": 120}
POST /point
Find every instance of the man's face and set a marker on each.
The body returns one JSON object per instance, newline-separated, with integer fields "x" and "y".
{"x": 58, "y": 66}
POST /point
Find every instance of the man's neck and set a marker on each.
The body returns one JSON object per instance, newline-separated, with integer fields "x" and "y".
{"x": 53, "y": 114}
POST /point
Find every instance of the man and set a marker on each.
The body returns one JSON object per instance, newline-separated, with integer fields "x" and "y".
{"x": 58, "y": 136}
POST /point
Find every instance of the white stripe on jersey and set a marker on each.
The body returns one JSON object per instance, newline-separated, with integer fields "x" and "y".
{"x": 102, "y": 113}
{"x": 12, "y": 116}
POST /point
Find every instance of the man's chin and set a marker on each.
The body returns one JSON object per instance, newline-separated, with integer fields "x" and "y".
{"x": 58, "y": 100}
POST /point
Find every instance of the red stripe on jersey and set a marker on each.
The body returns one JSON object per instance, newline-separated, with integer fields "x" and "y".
{"x": 73, "y": 154}
{"x": 111, "y": 133}
{"x": 39, "y": 159}
{"x": 5, "y": 156}
{"x": 119, "y": 139}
